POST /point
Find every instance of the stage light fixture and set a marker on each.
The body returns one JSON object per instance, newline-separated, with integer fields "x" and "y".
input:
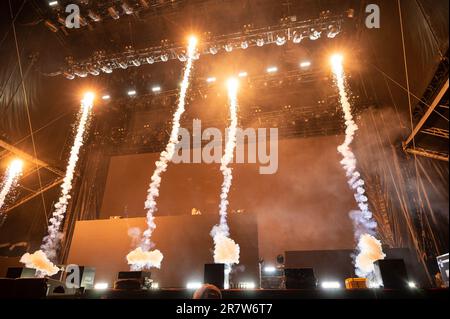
{"x": 281, "y": 40}
{"x": 106, "y": 97}
{"x": 68, "y": 75}
{"x": 412, "y": 285}
{"x": 314, "y": 35}
{"x": 272, "y": 69}
{"x": 305, "y": 64}
{"x": 297, "y": 37}
{"x": 244, "y": 45}
{"x": 260, "y": 42}
{"x": 164, "y": 57}
{"x": 127, "y": 8}
{"x": 155, "y": 285}
{"x": 156, "y": 89}
{"x": 213, "y": 50}
{"x": 150, "y": 60}
{"x": 123, "y": 65}
{"x": 94, "y": 16}
{"x": 81, "y": 73}
{"x": 101, "y": 286}
{"x": 113, "y": 13}
{"x": 136, "y": 62}
{"x": 242, "y": 74}
{"x": 182, "y": 57}
{"x": 333, "y": 31}
{"x": 228, "y": 47}
{"x": 247, "y": 285}
{"x": 131, "y": 92}
{"x": 53, "y": 3}
{"x": 211, "y": 79}
{"x": 193, "y": 285}
{"x": 106, "y": 69}
{"x": 269, "y": 269}
{"x": 331, "y": 285}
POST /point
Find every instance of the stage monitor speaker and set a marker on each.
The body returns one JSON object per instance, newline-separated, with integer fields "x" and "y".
{"x": 20, "y": 272}
{"x": 30, "y": 288}
{"x": 128, "y": 284}
{"x": 391, "y": 273}
{"x": 300, "y": 278}
{"x": 143, "y": 277}
{"x": 215, "y": 275}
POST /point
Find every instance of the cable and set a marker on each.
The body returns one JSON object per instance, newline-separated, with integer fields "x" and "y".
{"x": 27, "y": 109}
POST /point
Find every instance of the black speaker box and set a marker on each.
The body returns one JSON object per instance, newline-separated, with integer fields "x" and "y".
{"x": 300, "y": 278}
{"x": 20, "y": 272}
{"x": 215, "y": 275}
{"x": 140, "y": 276}
{"x": 391, "y": 273}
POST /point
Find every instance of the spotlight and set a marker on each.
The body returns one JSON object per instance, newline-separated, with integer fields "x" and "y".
{"x": 101, "y": 286}
{"x": 165, "y": 57}
{"x": 281, "y": 40}
{"x": 81, "y": 73}
{"x": 228, "y": 47}
{"x": 244, "y": 45}
{"x": 332, "y": 32}
{"x": 412, "y": 285}
{"x": 53, "y": 3}
{"x": 305, "y": 64}
{"x": 298, "y": 37}
{"x": 260, "y": 42}
{"x": 113, "y": 13}
{"x": 92, "y": 70}
{"x": 193, "y": 285}
{"x": 123, "y": 65}
{"x": 136, "y": 62}
{"x": 272, "y": 69}
{"x": 331, "y": 285}
{"x": 106, "y": 69}
{"x": 314, "y": 35}
{"x": 155, "y": 285}
{"x": 156, "y": 89}
{"x": 94, "y": 16}
{"x": 213, "y": 50}
{"x": 242, "y": 74}
{"x": 68, "y": 75}
{"x": 127, "y": 8}
{"x": 211, "y": 80}
{"x": 269, "y": 269}
{"x": 106, "y": 97}
{"x": 150, "y": 60}
{"x": 247, "y": 285}
{"x": 131, "y": 93}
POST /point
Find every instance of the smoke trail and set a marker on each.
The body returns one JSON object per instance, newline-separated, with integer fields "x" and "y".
{"x": 368, "y": 248}
{"x": 12, "y": 175}
{"x": 41, "y": 259}
{"x": 161, "y": 166}
{"x": 226, "y": 250}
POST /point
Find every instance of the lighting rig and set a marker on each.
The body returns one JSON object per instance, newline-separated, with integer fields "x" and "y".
{"x": 289, "y": 29}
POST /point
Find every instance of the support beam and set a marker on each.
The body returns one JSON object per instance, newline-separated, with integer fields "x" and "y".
{"x": 428, "y": 153}
{"x": 427, "y": 114}
{"x": 27, "y": 198}
{"x": 29, "y": 158}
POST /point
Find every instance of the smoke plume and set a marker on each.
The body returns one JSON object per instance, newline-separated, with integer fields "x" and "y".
{"x": 161, "y": 166}
{"x": 363, "y": 222}
{"x": 39, "y": 261}
{"x": 139, "y": 259}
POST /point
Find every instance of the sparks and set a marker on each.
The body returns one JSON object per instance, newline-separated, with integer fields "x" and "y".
{"x": 13, "y": 173}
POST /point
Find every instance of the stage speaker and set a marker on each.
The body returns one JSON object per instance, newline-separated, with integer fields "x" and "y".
{"x": 215, "y": 275}
{"x": 391, "y": 273}
{"x": 128, "y": 284}
{"x": 141, "y": 276}
{"x": 20, "y": 272}
{"x": 30, "y": 288}
{"x": 300, "y": 278}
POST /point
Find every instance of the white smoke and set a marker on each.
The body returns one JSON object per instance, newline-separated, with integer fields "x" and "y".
{"x": 225, "y": 249}
{"x": 39, "y": 261}
{"x": 363, "y": 222}
{"x": 164, "y": 159}
{"x": 10, "y": 181}
{"x": 139, "y": 259}
{"x": 51, "y": 241}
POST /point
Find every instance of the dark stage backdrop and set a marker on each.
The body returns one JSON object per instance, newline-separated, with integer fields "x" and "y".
{"x": 304, "y": 206}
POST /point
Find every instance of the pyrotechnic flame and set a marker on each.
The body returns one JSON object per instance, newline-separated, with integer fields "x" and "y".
{"x": 226, "y": 250}
{"x": 13, "y": 172}
{"x": 166, "y": 156}
{"x": 51, "y": 241}
{"x": 39, "y": 261}
{"x": 363, "y": 221}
